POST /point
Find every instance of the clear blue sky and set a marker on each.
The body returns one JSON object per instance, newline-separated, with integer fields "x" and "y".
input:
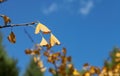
{"x": 89, "y": 29}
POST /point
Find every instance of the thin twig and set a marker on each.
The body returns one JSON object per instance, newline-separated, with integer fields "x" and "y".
{"x": 14, "y": 25}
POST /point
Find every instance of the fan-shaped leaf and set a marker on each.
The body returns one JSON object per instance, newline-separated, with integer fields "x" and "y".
{"x": 76, "y": 73}
{"x": 12, "y": 37}
{"x": 43, "y": 28}
{"x": 87, "y": 74}
{"x": 28, "y": 51}
{"x": 6, "y": 19}
{"x": 40, "y": 64}
{"x": 54, "y": 40}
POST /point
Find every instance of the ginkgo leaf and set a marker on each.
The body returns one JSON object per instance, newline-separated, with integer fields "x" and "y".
{"x": 70, "y": 65}
{"x": 36, "y": 59}
{"x": 117, "y": 54}
{"x": 92, "y": 70}
{"x": 104, "y": 69}
{"x": 76, "y": 73}
{"x": 69, "y": 59}
{"x": 43, "y": 28}
{"x": 43, "y": 42}
{"x": 87, "y": 74}
{"x": 43, "y": 69}
{"x": 12, "y": 37}
{"x": 40, "y": 64}
{"x": 6, "y": 19}
{"x": 35, "y": 52}
{"x": 54, "y": 40}
{"x": 110, "y": 73}
{"x": 28, "y": 51}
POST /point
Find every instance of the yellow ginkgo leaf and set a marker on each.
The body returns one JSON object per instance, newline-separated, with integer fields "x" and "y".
{"x": 35, "y": 59}
{"x": 54, "y": 40}
{"x": 43, "y": 42}
{"x": 43, "y": 28}
{"x": 117, "y": 54}
{"x": 76, "y": 73}
{"x": 43, "y": 69}
{"x": 87, "y": 74}
{"x": 12, "y": 37}
{"x": 40, "y": 64}
{"x": 92, "y": 70}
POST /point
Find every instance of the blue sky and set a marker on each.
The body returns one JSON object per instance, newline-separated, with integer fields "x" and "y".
{"x": 89, "y": 29}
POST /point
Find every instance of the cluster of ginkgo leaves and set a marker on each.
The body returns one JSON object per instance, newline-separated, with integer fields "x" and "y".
{"x": 38, "y": 51}
{"x": 7, "y": 20}
{"x": 63, "y": 65}
{"x": 104, "y": 71}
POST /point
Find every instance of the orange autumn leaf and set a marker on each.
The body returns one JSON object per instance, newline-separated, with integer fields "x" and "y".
{"x": 52, "y": 70}
{"x": 6, "y": 19}
{"x": 12, "y": 37}
{"x": 46, "y": 54}
{"x": 87, "y": 74}
{"x": 43, "y": 28}
{"x": 36, "y": 52}
{"x": 28, "y": 51}
{"x": 64, "y": 51}
{"x": 54, "y": 40}
{"x": 69, "y": 58}
{"x": 92, "y": 70}
{"x": 117, "y": 54}
{"x": 76, "y": 73}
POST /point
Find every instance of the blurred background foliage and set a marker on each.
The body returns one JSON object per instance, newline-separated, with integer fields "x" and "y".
{"x": 8, "y": 65}
{"x": 32, "y": 69}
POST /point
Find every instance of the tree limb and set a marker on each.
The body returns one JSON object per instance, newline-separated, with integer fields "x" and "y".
{"x": 14, "y": 25}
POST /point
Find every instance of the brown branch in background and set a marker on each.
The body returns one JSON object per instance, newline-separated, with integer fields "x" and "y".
{"x": 14, "y": 25}
{"x": 29, "y": 36}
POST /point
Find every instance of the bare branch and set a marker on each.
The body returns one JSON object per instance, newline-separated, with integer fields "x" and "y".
{"x": 14, "y": 25}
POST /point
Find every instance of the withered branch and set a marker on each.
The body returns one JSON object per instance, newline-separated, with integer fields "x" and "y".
{"x": 14, "y": 25}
